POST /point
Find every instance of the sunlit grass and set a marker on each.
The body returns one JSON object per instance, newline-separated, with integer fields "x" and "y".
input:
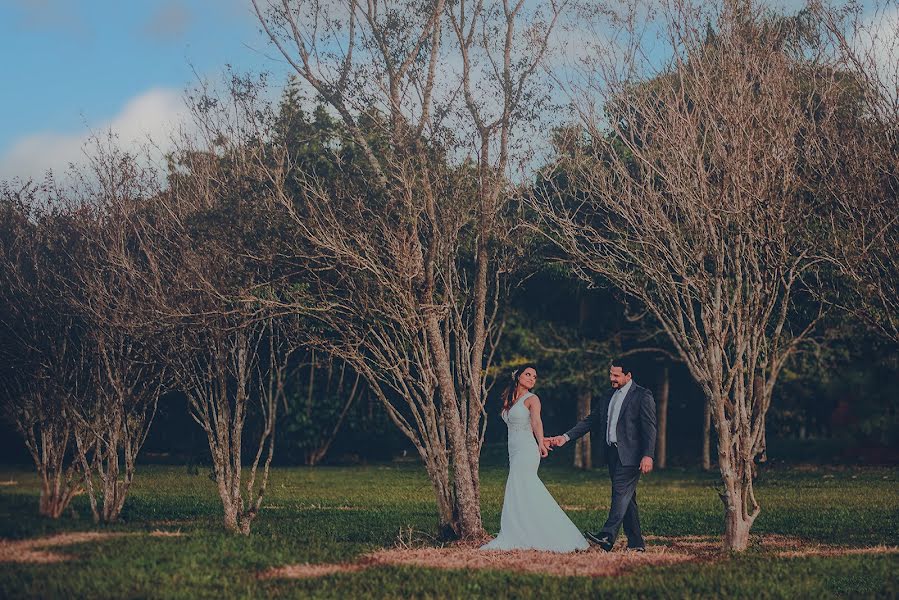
{"x": 334, "y": 514}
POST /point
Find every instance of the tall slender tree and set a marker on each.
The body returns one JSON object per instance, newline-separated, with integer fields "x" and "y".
{"x": 433, "y": 99}
{"x": 696, "y": 184}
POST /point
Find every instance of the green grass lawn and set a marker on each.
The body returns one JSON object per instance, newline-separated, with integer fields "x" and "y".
{"x": 334, "y": 514}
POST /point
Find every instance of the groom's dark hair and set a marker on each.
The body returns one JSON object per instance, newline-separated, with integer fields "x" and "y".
{"x": 625, "y": 363}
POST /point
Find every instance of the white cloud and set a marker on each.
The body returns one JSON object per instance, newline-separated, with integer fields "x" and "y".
{"x": 153, "y": 115}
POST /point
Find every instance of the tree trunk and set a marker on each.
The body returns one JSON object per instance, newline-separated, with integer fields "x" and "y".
{"x": 48, "y": 449}
{"x": 740, "y": 508}
{"x": 57, "y": 491}
{"x": 219, "y": 399}
{"x": 52, "y": 501}
{"x": 438, "y": 473}
{"x": 737, "y": 467}
{"x": 736, "y": 529}
{"x": 104, "y": 449}
{"x": 583, "y": 450}
{"x": 467, "y": 506}
{"x": 662, "y": 440}
{"x": 231, "y": 511}
{"x": 467, "y": 503}
{"x": 707, "y": 436}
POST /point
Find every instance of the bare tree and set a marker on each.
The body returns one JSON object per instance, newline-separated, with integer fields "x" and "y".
{"x": 695, "y": 201}
{"x": 864, "y": 186}
{"x": 223, "y": 371}
{"x": 111, "y": 425}
{"x": 208, "y": 275}
{"x": 44, "y": 368}
{"x": 229, "y": 355}
{"x": 432, "y": 97}
{"x": 112, "y": 419}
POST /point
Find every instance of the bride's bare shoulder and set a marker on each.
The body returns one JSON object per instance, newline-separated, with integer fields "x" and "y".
{"x": 532, "y": 401}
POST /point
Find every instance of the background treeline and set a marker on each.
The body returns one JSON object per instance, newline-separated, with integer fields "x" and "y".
{"x": 844, "y": 390}
{"x": 350, "y": 274}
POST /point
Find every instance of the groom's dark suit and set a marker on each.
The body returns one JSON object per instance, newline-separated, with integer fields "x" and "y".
{"x": 636, "y": 438}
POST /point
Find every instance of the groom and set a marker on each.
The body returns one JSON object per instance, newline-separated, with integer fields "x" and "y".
{"x": 627, "y": 422}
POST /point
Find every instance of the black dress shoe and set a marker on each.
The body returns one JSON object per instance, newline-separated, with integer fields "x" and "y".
{"x": 637, "y": 549}
{"x": 603, "y": 540}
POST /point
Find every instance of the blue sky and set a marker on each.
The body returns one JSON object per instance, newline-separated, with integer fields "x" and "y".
{"x": 75, "y": 66}
{"x": 70, "y": 65}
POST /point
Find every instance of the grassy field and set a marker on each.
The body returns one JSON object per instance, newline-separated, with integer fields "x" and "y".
{"x": 337, "y": 514}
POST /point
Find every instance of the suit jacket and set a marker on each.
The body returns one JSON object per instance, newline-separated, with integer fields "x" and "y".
{"x": 636, "y": 429}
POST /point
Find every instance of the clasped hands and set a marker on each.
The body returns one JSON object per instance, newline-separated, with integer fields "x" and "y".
{"x": 549, "y": 443}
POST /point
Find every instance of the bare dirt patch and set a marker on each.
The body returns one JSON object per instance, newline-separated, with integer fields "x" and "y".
{"x": 34, "y": 550}
{"x": 590, "y": 563}
{"x": 594, "y": 562}
{"x": 40, "y": 550}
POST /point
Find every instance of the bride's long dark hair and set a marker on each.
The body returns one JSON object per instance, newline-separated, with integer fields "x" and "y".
{"x": 508, "y": 395}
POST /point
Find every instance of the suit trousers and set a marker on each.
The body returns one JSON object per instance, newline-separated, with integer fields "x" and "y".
{"x": 624, "y": 500}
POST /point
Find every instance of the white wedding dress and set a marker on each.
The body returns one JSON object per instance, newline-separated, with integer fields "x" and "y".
{"x": 531, "y": 518}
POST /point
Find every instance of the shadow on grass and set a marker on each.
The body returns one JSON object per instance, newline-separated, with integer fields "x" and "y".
{"x": 338, "y": 514}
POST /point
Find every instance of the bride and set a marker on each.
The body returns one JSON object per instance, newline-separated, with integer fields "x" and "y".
{"x": 531, "y": 518}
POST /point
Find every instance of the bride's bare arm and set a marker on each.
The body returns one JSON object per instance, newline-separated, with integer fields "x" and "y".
{"x": 533, "y": 405}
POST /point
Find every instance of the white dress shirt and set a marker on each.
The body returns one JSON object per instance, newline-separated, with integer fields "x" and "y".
{"x": 615, "y": 412}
